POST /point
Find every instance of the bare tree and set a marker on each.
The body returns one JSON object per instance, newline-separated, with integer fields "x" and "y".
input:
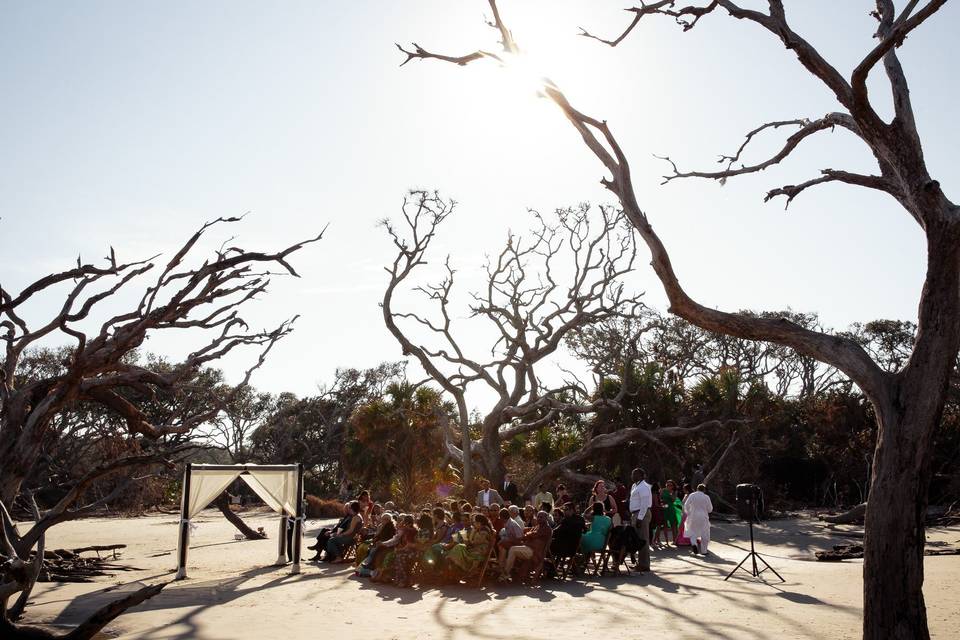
{"x": 908, "y": 402}
{"x": 98, "y": 370}
{"x": 530, "y": 302}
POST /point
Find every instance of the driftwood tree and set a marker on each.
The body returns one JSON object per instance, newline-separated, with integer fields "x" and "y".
{"x": 538, "y": 290}
{"x": 97, "y": 370}
{"x": 909, "y": 402}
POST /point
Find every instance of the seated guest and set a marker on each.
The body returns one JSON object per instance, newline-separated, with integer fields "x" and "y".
{"x": 405, "y": 536}
{"x": 440, "y": 525}
{"x": 511, "y": 533}
{"x": 594, "y": 539}
{"x": 434, "y": 549}
{"x": 516, "y": 515}
{"x": 557, "y": 516}
{"x": 547, "y": 509}
{"x": 366, "y": 506}
{"x": 469, "y": 554}
{"x": 493, "y": 515}
{"x": 385, "y": 531}
{"x": 529, "y": 516}
{"x": 376, "y": 512}
{"x": 532, "y": 547}
{"x": 566, "y": 536}
{"x": 409, "y": 551}
{"x": 327, "y": 533}
{"x": 338, "y": 543}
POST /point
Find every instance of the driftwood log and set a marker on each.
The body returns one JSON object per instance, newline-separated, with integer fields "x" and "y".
{"x": 856, "y": 515}
{"x": 69, "y": 565}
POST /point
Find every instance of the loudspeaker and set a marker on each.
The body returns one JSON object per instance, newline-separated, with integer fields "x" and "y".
{"x": 749, "y": 502}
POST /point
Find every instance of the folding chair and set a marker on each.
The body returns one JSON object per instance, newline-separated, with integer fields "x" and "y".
{"x": 599, "y": 565}
{"x": 537, "y": 573}
{"x": 351, "y": 549}
{"x": 563, "y": 563}
{"x": 491, "y": 556}
{"x": 617, "y": 555}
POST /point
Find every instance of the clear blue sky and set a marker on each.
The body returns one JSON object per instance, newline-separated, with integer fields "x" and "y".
{"x": 130, "y": 123}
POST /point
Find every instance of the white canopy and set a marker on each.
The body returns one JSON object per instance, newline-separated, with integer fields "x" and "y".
{"x": 276, "y": 485}
{"x": 279, "y": 486}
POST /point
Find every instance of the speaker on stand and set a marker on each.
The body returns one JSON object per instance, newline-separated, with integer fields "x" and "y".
{"x": 749, "y": 507}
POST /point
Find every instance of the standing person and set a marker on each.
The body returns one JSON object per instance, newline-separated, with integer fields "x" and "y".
{"x": 696, "y": 478}
{"x": 641, "y": 499}
{"x": 698, "y": 507}
{"x": 562, "y": 496}
{"x": 657, "y": 519}
{"x": 487, "y": 496}
{"x": 672, "y": 509}
{"x": 599, "y": 494}
{"x": 622, "y": 495}
{"x": 510, "y": 491}
{"x": 542, "y": 496}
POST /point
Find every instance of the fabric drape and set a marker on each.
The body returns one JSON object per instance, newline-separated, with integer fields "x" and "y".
{"x": 205, "y": 486}
{"x": 276, "y": 488}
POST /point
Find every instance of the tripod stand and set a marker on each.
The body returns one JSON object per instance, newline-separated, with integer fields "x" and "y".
{"x": 753, "y": 556}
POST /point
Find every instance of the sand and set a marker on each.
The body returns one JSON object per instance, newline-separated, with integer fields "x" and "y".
{"x": 233, "y": 591}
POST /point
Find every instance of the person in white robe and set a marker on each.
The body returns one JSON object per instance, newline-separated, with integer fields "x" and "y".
{"x": 697, "y": 506}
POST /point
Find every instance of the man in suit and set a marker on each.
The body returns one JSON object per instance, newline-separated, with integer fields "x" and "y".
{"x": 510, "y": 492}
{"x": 487, "y": 496}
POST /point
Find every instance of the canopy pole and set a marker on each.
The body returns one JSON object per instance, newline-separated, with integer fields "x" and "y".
{"x": 184, "y": 525}
{"x": 298, "y": 523}
{"x": 282, "y": 543}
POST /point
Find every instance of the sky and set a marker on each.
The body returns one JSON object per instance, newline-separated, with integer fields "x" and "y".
{"x": 130, "y": 124}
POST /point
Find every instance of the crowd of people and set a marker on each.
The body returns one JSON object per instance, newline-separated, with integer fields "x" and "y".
{"x": 498, "y": 535}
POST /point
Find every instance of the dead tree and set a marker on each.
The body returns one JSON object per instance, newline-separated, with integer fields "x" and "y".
{"x": 908, "y": 402}
{"x": 98, "y": 370}
{"x": 538, "y": 290}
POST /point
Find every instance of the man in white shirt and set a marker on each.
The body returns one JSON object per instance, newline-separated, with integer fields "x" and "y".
{"x": 698, "y": 506}
{"x": 487, "y": 496}
{"x": 641, "y": 499}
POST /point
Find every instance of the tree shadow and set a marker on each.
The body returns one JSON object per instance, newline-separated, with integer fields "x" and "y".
{"x": 194, "y": 596}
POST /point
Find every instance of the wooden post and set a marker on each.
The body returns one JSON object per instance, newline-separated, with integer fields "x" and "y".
{"x": 184, "y": 525}
{"x": 282, "y": 543}
{"x": 298, "y": 523}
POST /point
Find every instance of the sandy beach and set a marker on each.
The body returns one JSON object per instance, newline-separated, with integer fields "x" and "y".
{"x": 234, "y": 591}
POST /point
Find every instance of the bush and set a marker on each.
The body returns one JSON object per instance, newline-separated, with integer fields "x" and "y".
{"x": 321, "y": 508}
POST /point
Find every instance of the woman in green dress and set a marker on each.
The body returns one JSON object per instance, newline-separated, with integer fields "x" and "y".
{"x": 672, "y": 508}
{"x": 594, "y": 539}
{"x": 472, "y": 549}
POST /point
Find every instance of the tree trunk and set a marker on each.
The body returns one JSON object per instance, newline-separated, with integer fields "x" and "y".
{"x": 18, "y": 459}
{"x": 491, "y": 457}
{"x": 223, "y": 503}
{"x": 907, "y": 417}
{"x": 894, "y": 540}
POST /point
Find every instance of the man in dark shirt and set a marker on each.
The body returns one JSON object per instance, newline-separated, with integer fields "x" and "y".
{"x": 510, "y": 492}
{"x": 566, "y": 536}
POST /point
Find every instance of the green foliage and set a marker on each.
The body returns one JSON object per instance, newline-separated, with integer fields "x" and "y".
{"x": 397, "y": 443}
